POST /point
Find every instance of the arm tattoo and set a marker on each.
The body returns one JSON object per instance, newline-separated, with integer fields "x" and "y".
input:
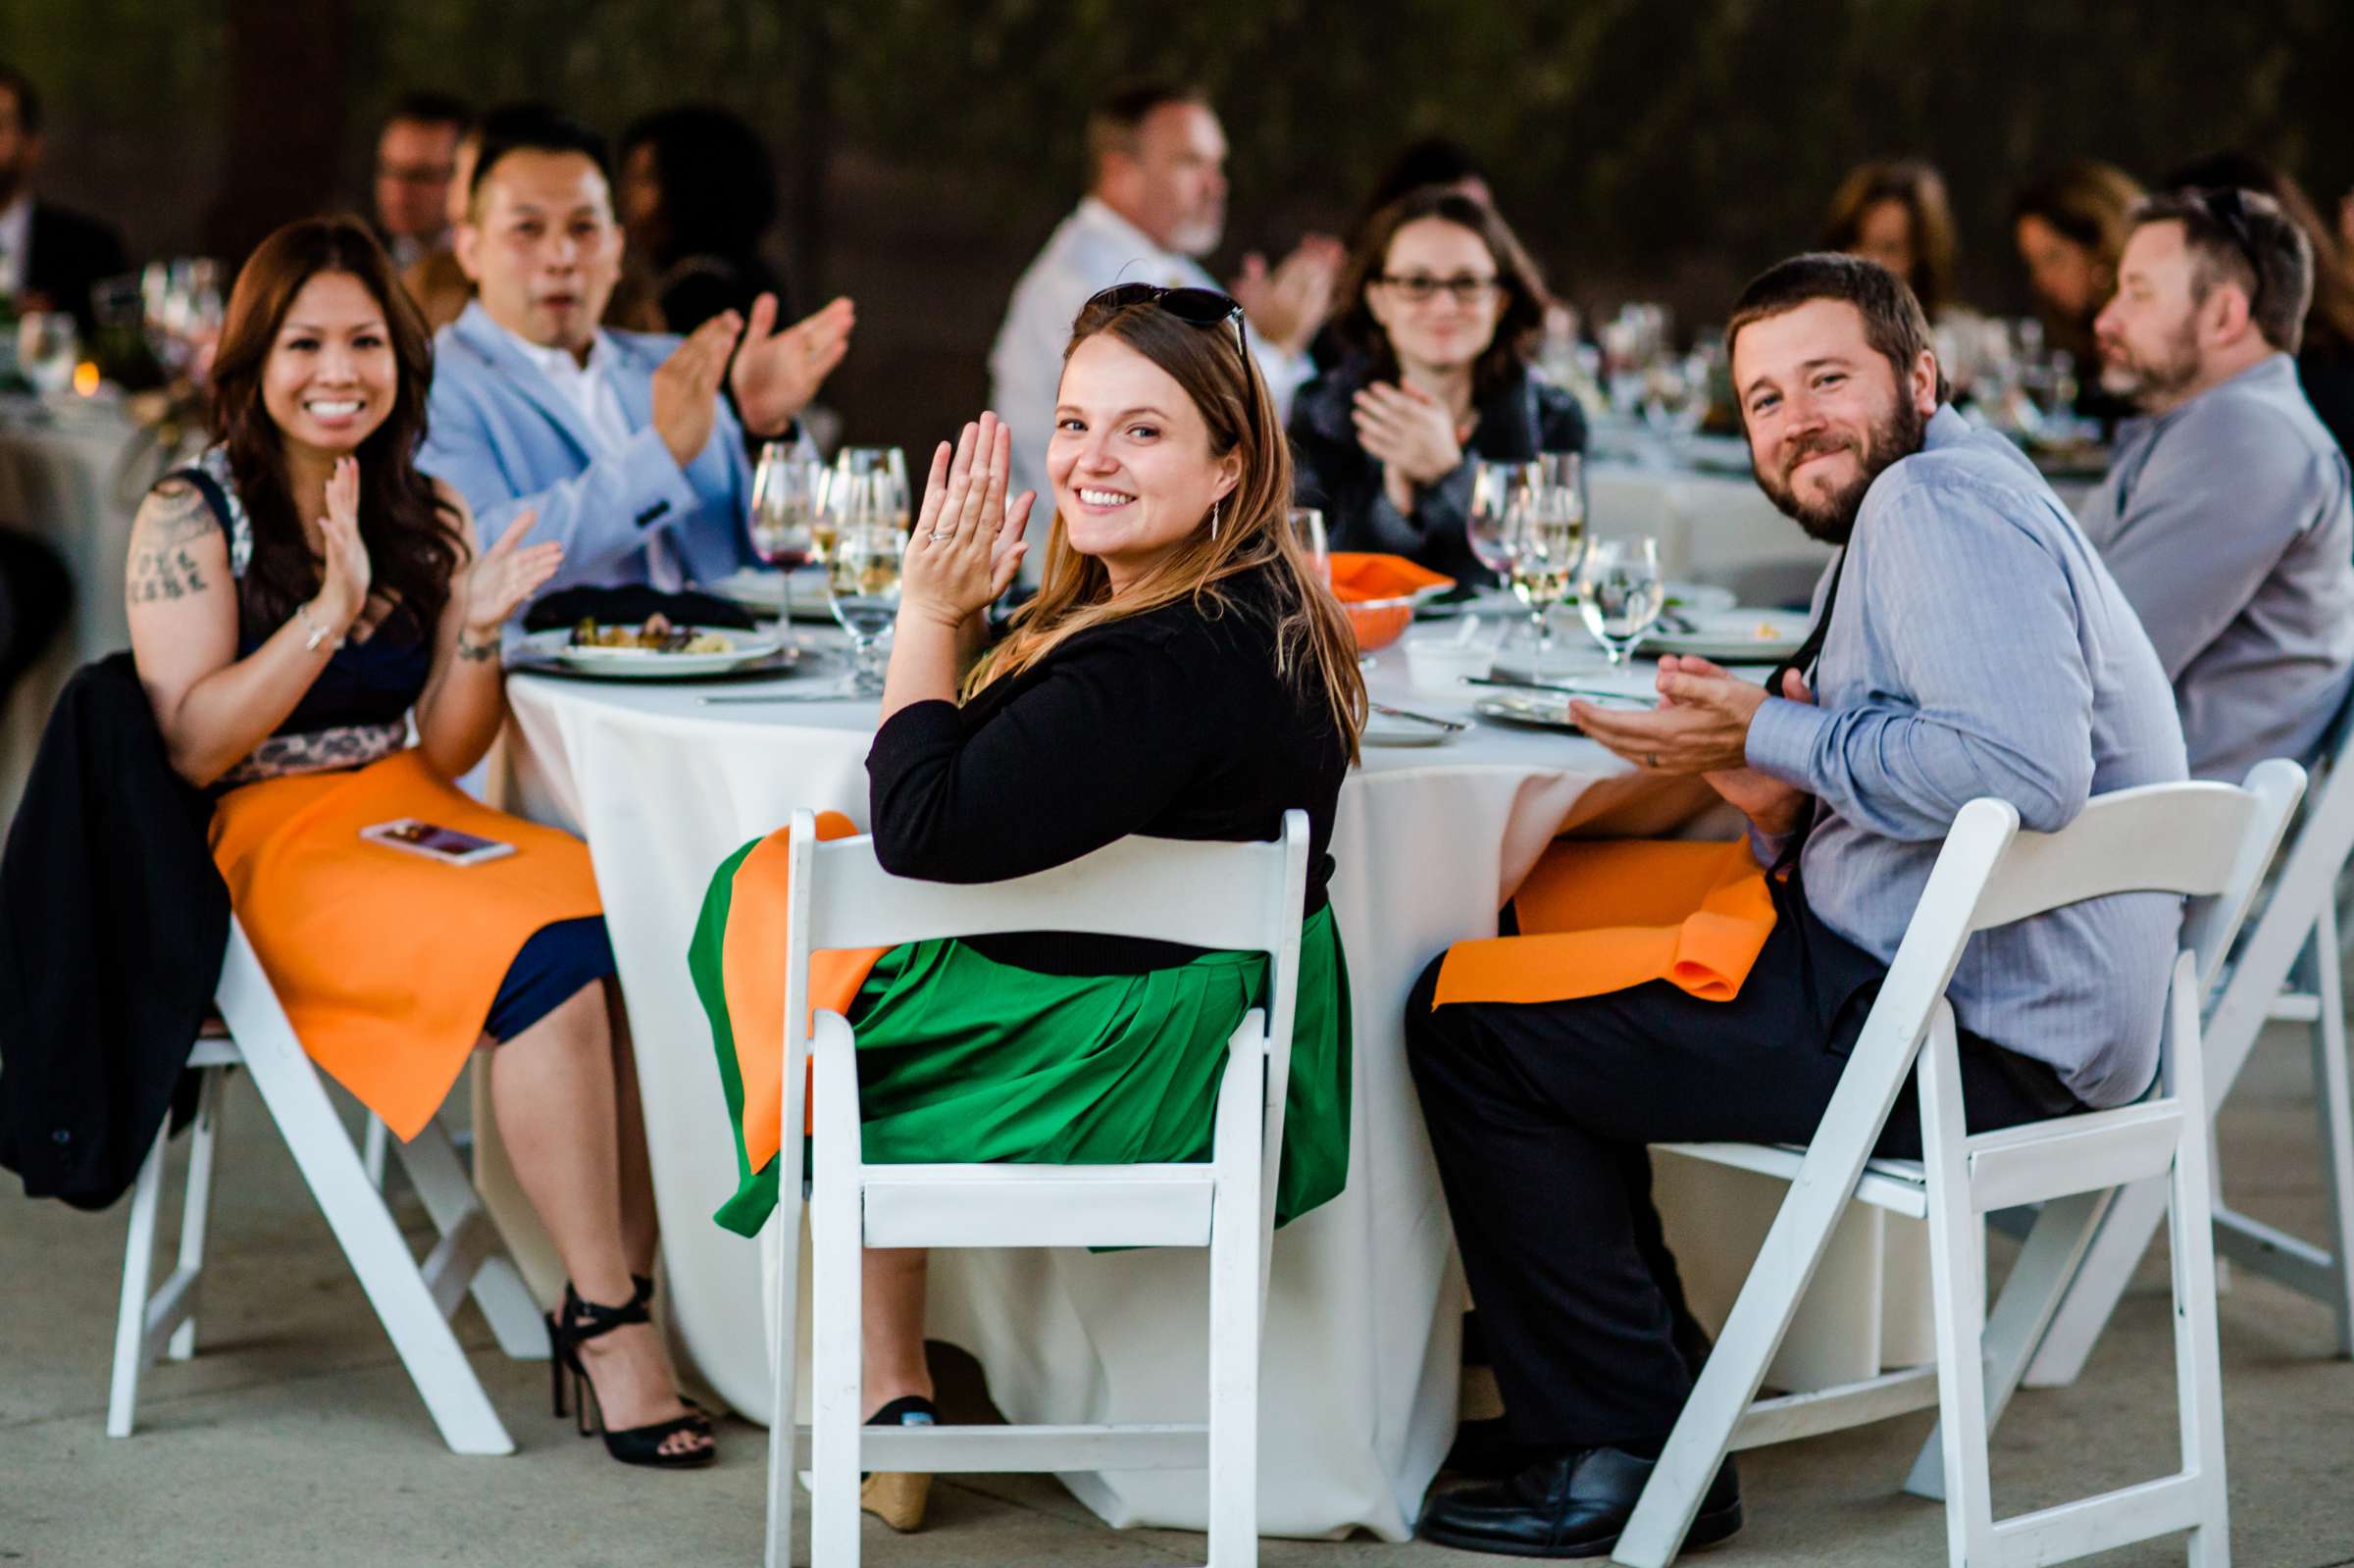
{"x": 477, "y": 653}
{"x": 172, "y": 517}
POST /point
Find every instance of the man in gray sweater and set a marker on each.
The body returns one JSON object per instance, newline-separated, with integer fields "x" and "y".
{"x": 2226, "y": 517}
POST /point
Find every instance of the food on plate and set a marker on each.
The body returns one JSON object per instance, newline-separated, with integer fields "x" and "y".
{"x": 656, "y": 635}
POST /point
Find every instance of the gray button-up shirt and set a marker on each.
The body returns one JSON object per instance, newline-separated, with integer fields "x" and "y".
{"x": 2228, "y": 524}
{"x": 1979, "y": 647}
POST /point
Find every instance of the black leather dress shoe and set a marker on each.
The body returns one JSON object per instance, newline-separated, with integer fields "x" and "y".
{"x": 1574, "y": 1504}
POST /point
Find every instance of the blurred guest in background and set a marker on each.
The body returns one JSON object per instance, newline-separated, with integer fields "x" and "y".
{"x": 49, "y": 257}
{"x": 2325, "y": 364}
{"x": 1895, "y": 211}
{"x": 1432, "y": 160}
{"x": 2226, "y": 515}
{"x": 620, "y": 442}
{"x": 436, "y": 281}
{"x": 1440, "y": 305}
{"x": 2070, "y": 230}
{"x": 1156, "y": 203}
{"x": 697, "y": 194}
{"x": 36, "y": 594}
{"x": 416, "y": 166}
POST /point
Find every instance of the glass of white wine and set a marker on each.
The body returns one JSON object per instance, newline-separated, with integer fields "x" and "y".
{"x": 1545, "y": 560}
{"x": 862, "y": 588}
{"x": 1621, "y": 595}
{"x": 886, "y": 468}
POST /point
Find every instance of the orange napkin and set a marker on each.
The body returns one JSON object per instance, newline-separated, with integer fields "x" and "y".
{"x": 1360, "y": 574}
{"x": 1602, "y": 915}
{"x": 752, "y": 969}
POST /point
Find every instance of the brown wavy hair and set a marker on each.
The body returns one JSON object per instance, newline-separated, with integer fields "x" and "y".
{"x": 1314, "y": 647}
{"x": 1516, "y": 274}
{"x": 415, "y": 544}
{"x": 1920, "y": 189}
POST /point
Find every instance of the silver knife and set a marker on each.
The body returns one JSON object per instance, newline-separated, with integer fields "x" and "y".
{"x": 1548, "y": 686}
{"x": 1416, "y": 718}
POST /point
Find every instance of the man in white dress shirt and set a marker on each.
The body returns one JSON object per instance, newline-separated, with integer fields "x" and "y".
{"x": 1156, "y": 202}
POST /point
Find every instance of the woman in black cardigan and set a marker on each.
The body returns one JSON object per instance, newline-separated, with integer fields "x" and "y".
{"x": 1441, "y": 305}
{"x": 1180, "y": 674}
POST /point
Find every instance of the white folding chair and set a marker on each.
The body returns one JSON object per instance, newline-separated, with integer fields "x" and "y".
{"x": 1240, "y": 896}
{"x": 2211, "y": 841}
{"x": 2287, "y": 972}
{"x": 414, "y": 1303}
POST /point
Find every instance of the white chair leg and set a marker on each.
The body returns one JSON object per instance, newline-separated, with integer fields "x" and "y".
{"x": 1234, "y": 1317}
{"x": 2198, "y": 1356}
{"x": 783, "y": 1347}
{"x": 138, "y": 1269}
{"x": 434, "y": 1169}
{"x": 197, "y": 1205}
{"x": 379, "y": 1255}
{"x": 2064, "y": 1228}
{"x": 371, "y": 1156}
{"x": 1956, "y": 1266}
{"x": 2336, "y": 1110}
{"x": 836, "y": 1377}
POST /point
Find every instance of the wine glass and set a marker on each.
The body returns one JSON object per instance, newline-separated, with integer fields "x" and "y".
{"x": 1619, "y": 593}
{"x": 862, "y": 588}
{"x": 887, "y": 467}
{"x": 1500, "y": 500}
{"x": 47, "y": 350}
{"x": 1307, "y": 527}
{"x": 786, "y": 489}
{"x": 1544, "y": 559}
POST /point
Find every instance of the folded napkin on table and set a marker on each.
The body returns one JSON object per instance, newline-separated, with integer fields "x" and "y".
{"x": 630, "y": 605}
{"x": 1358, "y": 575}
{"x": 1603, "y": 915}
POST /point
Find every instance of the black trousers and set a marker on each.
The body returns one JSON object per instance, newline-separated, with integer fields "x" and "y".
{"x": 1540, "y": 1115}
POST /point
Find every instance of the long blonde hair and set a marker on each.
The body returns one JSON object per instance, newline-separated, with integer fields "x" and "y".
{"x": 1253, "y": 529}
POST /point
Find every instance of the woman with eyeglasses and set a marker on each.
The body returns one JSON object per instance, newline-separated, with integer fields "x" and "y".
{"x": 1179, "y": 675}
{"x": 1441, "y": 306}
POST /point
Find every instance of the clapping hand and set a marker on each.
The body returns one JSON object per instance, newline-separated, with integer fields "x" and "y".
{"x": 967, "y": 543}
{"x": 503, "y": 578}
{"x": 1406, "y": 429}
{"x": 686, "y": 387}
{"x": 1702, "y": 726}
{"x": 1288, "y": 304}
{"x": 344, "y": 573}
{"x": 778, "y": 373}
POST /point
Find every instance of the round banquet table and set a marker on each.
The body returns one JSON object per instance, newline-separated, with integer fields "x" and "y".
{"x": 1362, "y": 1346}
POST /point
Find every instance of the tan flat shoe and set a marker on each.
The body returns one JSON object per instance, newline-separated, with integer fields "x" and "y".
{"x": 896, "y": 1497}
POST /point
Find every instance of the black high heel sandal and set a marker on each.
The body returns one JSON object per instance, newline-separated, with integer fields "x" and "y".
{"x": 575, "y": 1324}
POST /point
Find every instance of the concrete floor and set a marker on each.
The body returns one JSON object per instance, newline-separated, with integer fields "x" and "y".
{"x": 295, "y": 1437}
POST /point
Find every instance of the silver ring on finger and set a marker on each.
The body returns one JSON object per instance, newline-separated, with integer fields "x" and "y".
{"x": 943, "y": 534}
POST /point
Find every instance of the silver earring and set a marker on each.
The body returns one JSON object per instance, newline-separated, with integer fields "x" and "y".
{"x": 1213, "y": 520}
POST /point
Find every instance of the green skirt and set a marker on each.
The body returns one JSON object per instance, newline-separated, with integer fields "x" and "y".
{"x": 962, "y": 1059}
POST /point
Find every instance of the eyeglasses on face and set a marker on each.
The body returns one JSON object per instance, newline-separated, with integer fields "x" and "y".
{"x": 1416, "y": 288}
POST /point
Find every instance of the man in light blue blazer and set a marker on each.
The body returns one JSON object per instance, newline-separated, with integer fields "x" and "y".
{"x": 620, "y": 442}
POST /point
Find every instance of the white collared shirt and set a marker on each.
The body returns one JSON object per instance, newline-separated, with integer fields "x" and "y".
{"x": 590, "y": 389}
{"x": 15, "y": 243}
{"x": 1092, "y": 249}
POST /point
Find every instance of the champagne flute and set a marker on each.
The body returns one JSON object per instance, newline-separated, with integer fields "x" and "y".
{"x": 1307, "y": 527}
{"x": 862, "y": 588}
{"x": 1545, "y": 563}
{"x": 1621, "y": 595}
{"x": 1500, "y": 504}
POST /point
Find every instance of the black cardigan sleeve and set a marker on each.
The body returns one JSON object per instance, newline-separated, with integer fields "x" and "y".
{"x": 1095, "y": 742}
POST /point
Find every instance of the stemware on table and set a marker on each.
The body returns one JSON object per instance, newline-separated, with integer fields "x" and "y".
{"x": 1620, "y": 593}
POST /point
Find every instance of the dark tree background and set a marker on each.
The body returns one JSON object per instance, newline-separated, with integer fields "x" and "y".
{"x": 1656, "y": 150}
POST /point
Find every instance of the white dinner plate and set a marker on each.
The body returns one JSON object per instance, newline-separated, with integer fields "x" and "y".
{"x": 646, "y": 664}
{"x": 1738, "y": 635}
{"x": 1550, "y": 709}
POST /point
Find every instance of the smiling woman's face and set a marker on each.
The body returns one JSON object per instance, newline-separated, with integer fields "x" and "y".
{"x": 1130, "y": 459}
{"x": 332, "y": 377}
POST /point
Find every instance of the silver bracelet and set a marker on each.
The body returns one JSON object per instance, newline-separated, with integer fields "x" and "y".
{"x": 318, "y": 633}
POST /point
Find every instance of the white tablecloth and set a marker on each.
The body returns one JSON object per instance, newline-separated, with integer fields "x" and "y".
{"x": 1362, "y": 1346}
{"x": 62, "y": 480}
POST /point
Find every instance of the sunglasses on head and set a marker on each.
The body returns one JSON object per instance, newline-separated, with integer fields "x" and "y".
{"x": 1196, "y": 307}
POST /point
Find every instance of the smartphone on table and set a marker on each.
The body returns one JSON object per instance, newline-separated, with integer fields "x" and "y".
{"x": 436, "y": 842}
